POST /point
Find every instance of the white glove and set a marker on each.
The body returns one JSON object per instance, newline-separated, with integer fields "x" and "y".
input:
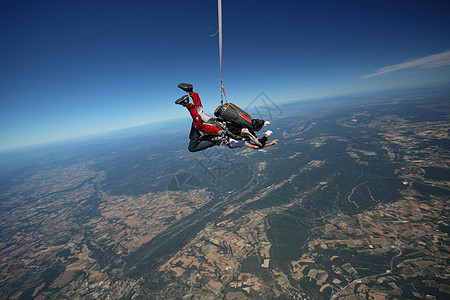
{"x": 268, "y": 133}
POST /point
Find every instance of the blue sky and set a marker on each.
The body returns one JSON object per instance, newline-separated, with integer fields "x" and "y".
{"x": 73, "y": 68}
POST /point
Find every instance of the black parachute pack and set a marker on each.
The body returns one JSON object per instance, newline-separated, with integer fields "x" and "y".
{"x": 232, "y": 113}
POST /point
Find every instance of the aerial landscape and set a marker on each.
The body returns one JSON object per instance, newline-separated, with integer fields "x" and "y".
{"x": 351, "y": 204}
{"x": 122, "y": 178}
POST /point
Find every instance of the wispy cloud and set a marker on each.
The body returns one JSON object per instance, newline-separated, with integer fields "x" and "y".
{"x": 427, "y": 62}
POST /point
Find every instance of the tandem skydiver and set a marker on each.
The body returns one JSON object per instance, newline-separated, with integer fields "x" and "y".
{"x": 215, "y": 132}
{"x": 199, "y": 142}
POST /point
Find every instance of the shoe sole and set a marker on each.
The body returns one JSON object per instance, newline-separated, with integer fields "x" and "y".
{"x": 182, "y": 100}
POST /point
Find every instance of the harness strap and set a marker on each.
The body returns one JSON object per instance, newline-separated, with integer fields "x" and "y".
{"x": 223, "y": 91}
{"x": 219, "y": 12}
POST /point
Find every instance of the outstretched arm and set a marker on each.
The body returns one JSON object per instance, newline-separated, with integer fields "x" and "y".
{"x": 274, "y": 142}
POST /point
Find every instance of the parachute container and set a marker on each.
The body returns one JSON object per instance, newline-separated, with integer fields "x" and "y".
{"x": 232, "y": 113}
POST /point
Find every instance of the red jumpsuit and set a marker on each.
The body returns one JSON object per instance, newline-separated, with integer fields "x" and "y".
{"x": 208, "y": 128}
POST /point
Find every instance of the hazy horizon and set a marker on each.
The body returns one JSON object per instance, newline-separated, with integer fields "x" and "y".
{"x": 186, "y": 120}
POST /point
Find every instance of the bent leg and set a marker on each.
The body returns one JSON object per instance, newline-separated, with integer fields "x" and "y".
{"x": 196, "y": 99}
{"x": 198, "y": 104}
{"x": 195, "y": 141}
{"x": 199, "y": 123}
{"x": 205, "y": 117}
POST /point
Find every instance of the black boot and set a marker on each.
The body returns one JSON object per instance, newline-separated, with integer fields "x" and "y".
{"x": 184, "y": 101}
{"x": 186, "y": 87}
